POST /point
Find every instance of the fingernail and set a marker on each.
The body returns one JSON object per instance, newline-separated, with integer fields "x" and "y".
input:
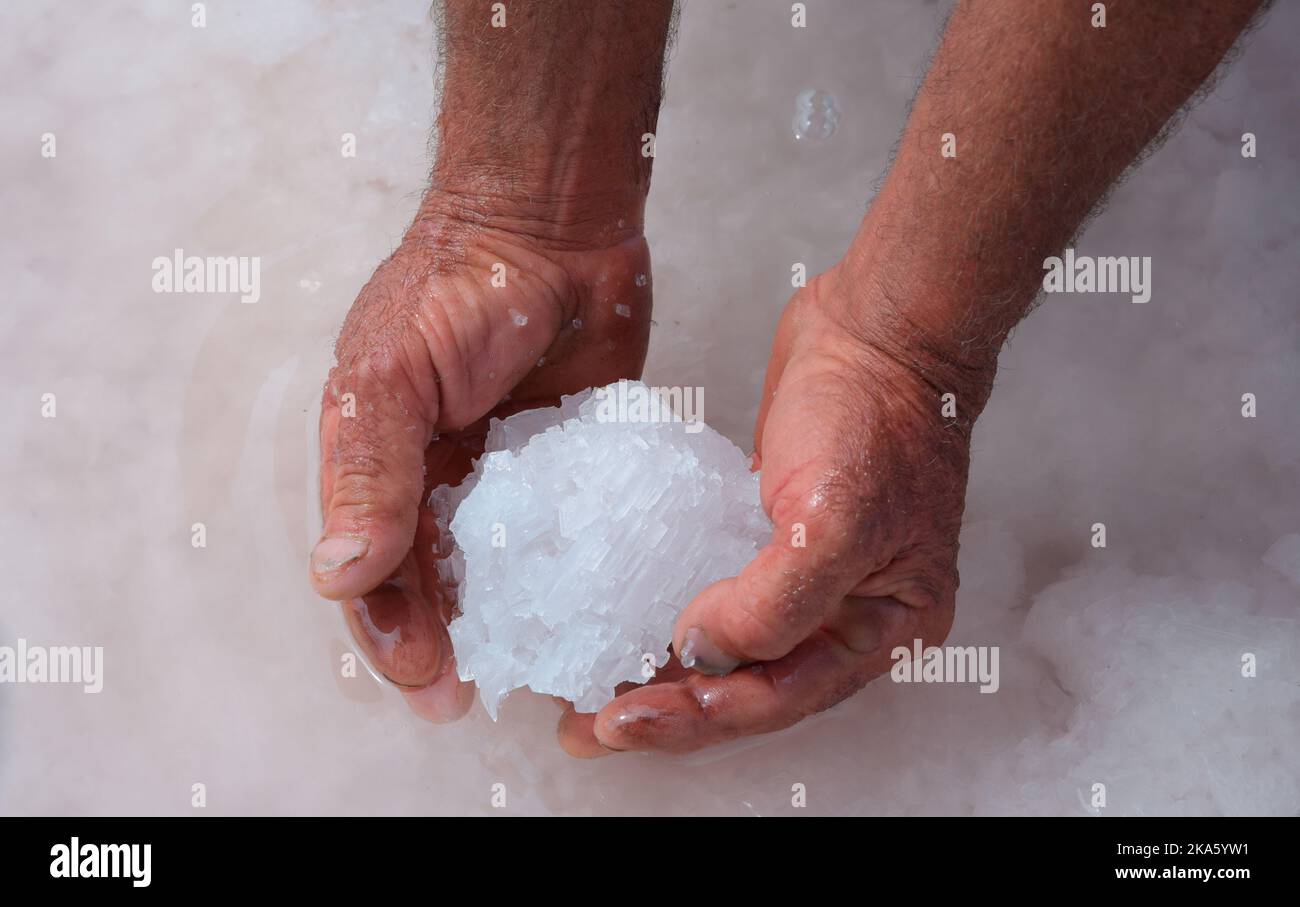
{"x": 632, "y": 727}
{"x": 699, "y": 652}
{"x": 577, "y": 735}
{"x": 332, "y": 553}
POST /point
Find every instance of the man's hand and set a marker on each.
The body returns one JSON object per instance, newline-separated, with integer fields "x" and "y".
{"x": 431, "y": 347}
{"x": 865, "y": 482}
{"x": 501, "y": 296}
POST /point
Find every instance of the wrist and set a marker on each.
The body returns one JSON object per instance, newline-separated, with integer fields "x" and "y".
{"x": 915, "y": 332}
{"x": 559, "y": 204}
{"x": 544, "y": 117}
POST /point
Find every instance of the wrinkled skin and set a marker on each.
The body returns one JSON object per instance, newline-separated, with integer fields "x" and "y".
{"x": 853, "y": 447}
{"x": 429, "y": 350}
{"x": 850, "y": 440}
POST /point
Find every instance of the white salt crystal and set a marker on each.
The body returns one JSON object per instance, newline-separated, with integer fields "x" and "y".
{"x": 580, "y": 536}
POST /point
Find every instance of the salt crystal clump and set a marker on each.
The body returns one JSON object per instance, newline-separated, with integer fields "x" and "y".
{"x": 608, "y": 520}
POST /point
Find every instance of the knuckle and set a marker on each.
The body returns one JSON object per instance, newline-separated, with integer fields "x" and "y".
{"x": 369, "y": 377}
{"x": 756, "y": 631}
{"x": 362, "y": 487}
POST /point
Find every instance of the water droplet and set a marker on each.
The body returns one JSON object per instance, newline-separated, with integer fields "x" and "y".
{"x": 519, "y": 318}
{"x": 816, "y": 114}
{"x": 641, "y": 280}
{"x": 577, "y": 324}
{"x": 623, "y": 310}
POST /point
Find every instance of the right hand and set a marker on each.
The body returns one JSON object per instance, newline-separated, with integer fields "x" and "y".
{"x": 429, "y": 349}
{"x": 864, "y": 480}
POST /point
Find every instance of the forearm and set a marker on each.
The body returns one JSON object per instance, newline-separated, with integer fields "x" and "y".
{"x": 1046, "y": 112}
{"x": 542, "y": 121}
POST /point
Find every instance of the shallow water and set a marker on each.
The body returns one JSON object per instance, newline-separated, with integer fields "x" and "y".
{"x": 1119, "y": 665}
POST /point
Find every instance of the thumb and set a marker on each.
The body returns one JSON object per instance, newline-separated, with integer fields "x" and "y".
{"x": 372, "y": 477}
{"x": 776, "y": 601}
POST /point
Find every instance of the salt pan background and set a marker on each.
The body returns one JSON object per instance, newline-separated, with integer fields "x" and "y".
{"x": 1118, "y": 665}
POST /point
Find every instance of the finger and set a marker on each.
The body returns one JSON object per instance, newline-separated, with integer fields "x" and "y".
{"x": 446, "y": 699}
{"x": 372, "y": 477}
{"x": 575, "y": 728}
{"x": 827, "y": 530}
{"x": 415, "y": 645}
{"x": 401, "y": 625}
{"x": 577, "y": 737}
{"x": 400, "y": 632}
{"x": 777, "y": 599}
{"x": 828, "y": 666}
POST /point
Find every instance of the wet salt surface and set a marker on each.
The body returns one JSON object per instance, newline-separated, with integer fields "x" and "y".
{"x": 1119, "y": 665}
{"x": 816, "y": 115}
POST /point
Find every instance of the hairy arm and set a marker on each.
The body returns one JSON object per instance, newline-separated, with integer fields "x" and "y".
{"x": 863, "y": 475}
{"x": 1047, "y": 112}
{"x": 544, "y": 106}
{"x": 539, "y": 172}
